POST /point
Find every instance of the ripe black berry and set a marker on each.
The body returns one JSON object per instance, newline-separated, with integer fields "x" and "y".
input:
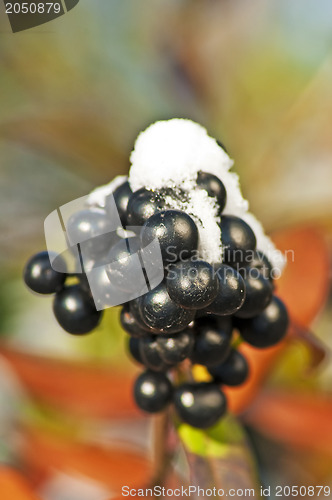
{"x": 176, "y": 232}
{"x": 124, "y": 268}
{"x": 260, "y": 262}
{"x": 192, "y": 284}
{"x": 175, "y": 348}
{"x": 152, "y": 391}
{"x": 233, "y": 371}
{"x": 200, "y": 405}
{"x": 160, "y": 312}
{"x": 258, "y": 295}
{"x": 129, "y": 323}
{"x": 39, "y": 275}
{"x": 266, "y": 329}
{"x": 93, "y": 230}
{"x": 238, "y": 239}
{"x": 214, "y": 188}
{"x": 150, "y": 354}
{"x": 231, "y": 292}
{"x": 142, "y": 205}
{"x": 75, "y": 310}
{"x": 212, "y": 343}
{"x": 134, "y": 351}
{"x": 121, "y": 197}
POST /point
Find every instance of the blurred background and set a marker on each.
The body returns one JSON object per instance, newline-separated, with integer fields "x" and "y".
{"x": 74, "y": 94}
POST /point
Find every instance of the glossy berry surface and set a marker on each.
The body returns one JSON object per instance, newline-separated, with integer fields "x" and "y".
{"x": 93, "y": 230}
{"x": 233, "y": 371}
{"x": 214, "y": 188}
{"x": 231, "y": 294}
{"x": 150, "y": 354}
{"x": 39, "y": 275}
{"x": 124, "y": 264}
{"x": 238, "y": 239}
{"x": 200, "y": 405}
{"x": 266, "y": 329}
{"x": 129, "y": 323}
{"x": 142, "y": 205}
{"x": 260, "y": 262}
{"x": 152, "y": 391}
{"x": 212, "y": 344}
{"x": 75, "y": 310}
{"x": 176, "y": 348}
{"x": 176, "y": 232}
{"x": 258, "y": 295}
{"x": 121, "y": 195}
{"x": 192, "y": 284}
{"x": 160, "y": 312}
{"x": 134, "y": 350}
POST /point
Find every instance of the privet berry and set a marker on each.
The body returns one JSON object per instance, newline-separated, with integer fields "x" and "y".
{"x": 200, "y": 405}
{"x": 233, "y": 371}
{"x": 214, "y": 188}
{"x": 258, "y": 295}
{"x": 176, "y": 348}
{"x": 40, "y": 276}
{"x": 238, "y": 239}
{"x": 212, "y": 344}
{"x": 121, "y": 195}
{"x": 267, "y": 328}
{"x": 142, "y": 205}
{"x": 231, "y": 294}
{"x": 176, "y": 232}
{"x": 161, "y": 313}
{"x": 75, "y": 310}
{"x": 192, "y": 284}
{"x": 152, "y": 391}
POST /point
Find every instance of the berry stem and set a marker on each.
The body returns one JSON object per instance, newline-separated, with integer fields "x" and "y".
{"x": 162, "y": 452}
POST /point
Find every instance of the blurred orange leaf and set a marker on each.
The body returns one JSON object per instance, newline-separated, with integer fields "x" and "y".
{"x": 81, "y": 388}
{"x": 295, "y": 419}
{"x": 13, "y": 486}
{"x": 113, "y": 467}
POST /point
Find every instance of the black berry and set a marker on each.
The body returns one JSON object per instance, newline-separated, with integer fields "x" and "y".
{"x": 214, "y": 188}
{"x": 258, "y": 295}
{"x": 39, "y": 275}
{"x": 75, "y": 310}
{"x": 200, "y": 405}
{"x": 238, "y": 239}
{"x": 176, "y": 232}
{"x": 175, "y": 348}
{"x": 124, "y": 269}
{"x": 150, "y": 354}
{"x": 161, "y": 313}
{"x": 231, "y": 292}
{"x": 121, "y": 196}
{"x": 212, "y": 343}
{"x": 233, "y": 371}
{"x": 129, "y": 323}
{"x": 134, "y": 350}
{"x": 192, "y": 284}
{"x": 93, "y": 230}
{"x": 152, "y": 391}
{"x": 266, "y": 329}
{"x": 142, "y": 205}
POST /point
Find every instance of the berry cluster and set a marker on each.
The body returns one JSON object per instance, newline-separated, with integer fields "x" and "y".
{"x": 191, "y": 315}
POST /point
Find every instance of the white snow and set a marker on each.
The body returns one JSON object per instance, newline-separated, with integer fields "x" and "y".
{"x": 170, "y": 154}
{"x": 98, "y": 196}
